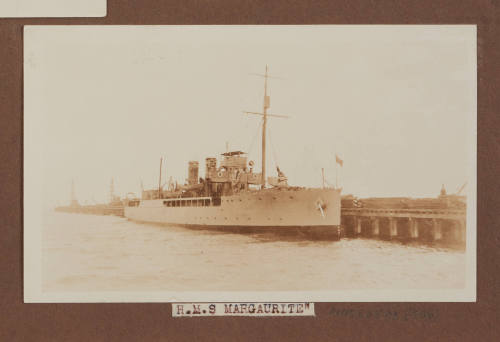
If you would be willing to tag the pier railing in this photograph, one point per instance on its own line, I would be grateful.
(447, 214)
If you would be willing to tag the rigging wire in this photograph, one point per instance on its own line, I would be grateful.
(274, 150)
(249, 150)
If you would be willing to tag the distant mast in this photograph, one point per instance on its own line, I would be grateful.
(159, 180)
(112, 191)
(73, 201)
(267, 101)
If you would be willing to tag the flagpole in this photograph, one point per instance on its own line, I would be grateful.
(341, 162)
(336, 174)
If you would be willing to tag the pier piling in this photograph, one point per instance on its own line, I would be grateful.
(459, 231)
(375, 227)
(393, 227)
(357, 226)
(413, 228)
(437, 229)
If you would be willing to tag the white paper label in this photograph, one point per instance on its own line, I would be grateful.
(242, 309)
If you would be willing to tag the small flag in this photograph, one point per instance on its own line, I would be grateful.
(339, 161)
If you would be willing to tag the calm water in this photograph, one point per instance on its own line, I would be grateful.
(99, 253)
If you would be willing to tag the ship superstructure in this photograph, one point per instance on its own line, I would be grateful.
(233, 196)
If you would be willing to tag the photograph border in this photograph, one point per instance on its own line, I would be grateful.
(343, 321)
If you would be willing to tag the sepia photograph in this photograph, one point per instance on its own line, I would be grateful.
(250, 163)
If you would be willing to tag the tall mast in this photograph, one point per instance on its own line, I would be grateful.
(264, 124)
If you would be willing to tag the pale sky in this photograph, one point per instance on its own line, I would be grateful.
(396, 103)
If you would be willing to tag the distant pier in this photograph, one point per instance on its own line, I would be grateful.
(93, 210)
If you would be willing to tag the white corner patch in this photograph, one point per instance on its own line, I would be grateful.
(52, 8)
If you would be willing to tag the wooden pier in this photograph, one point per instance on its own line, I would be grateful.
(425, 225)
(93, 210)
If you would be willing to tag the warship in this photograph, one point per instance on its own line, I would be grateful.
(232, 196)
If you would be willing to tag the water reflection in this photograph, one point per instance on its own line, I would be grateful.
(96, 253)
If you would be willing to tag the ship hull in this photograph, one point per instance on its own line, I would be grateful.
(314, 212)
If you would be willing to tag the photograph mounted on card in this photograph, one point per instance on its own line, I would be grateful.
(52, 8)
(249, 164)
